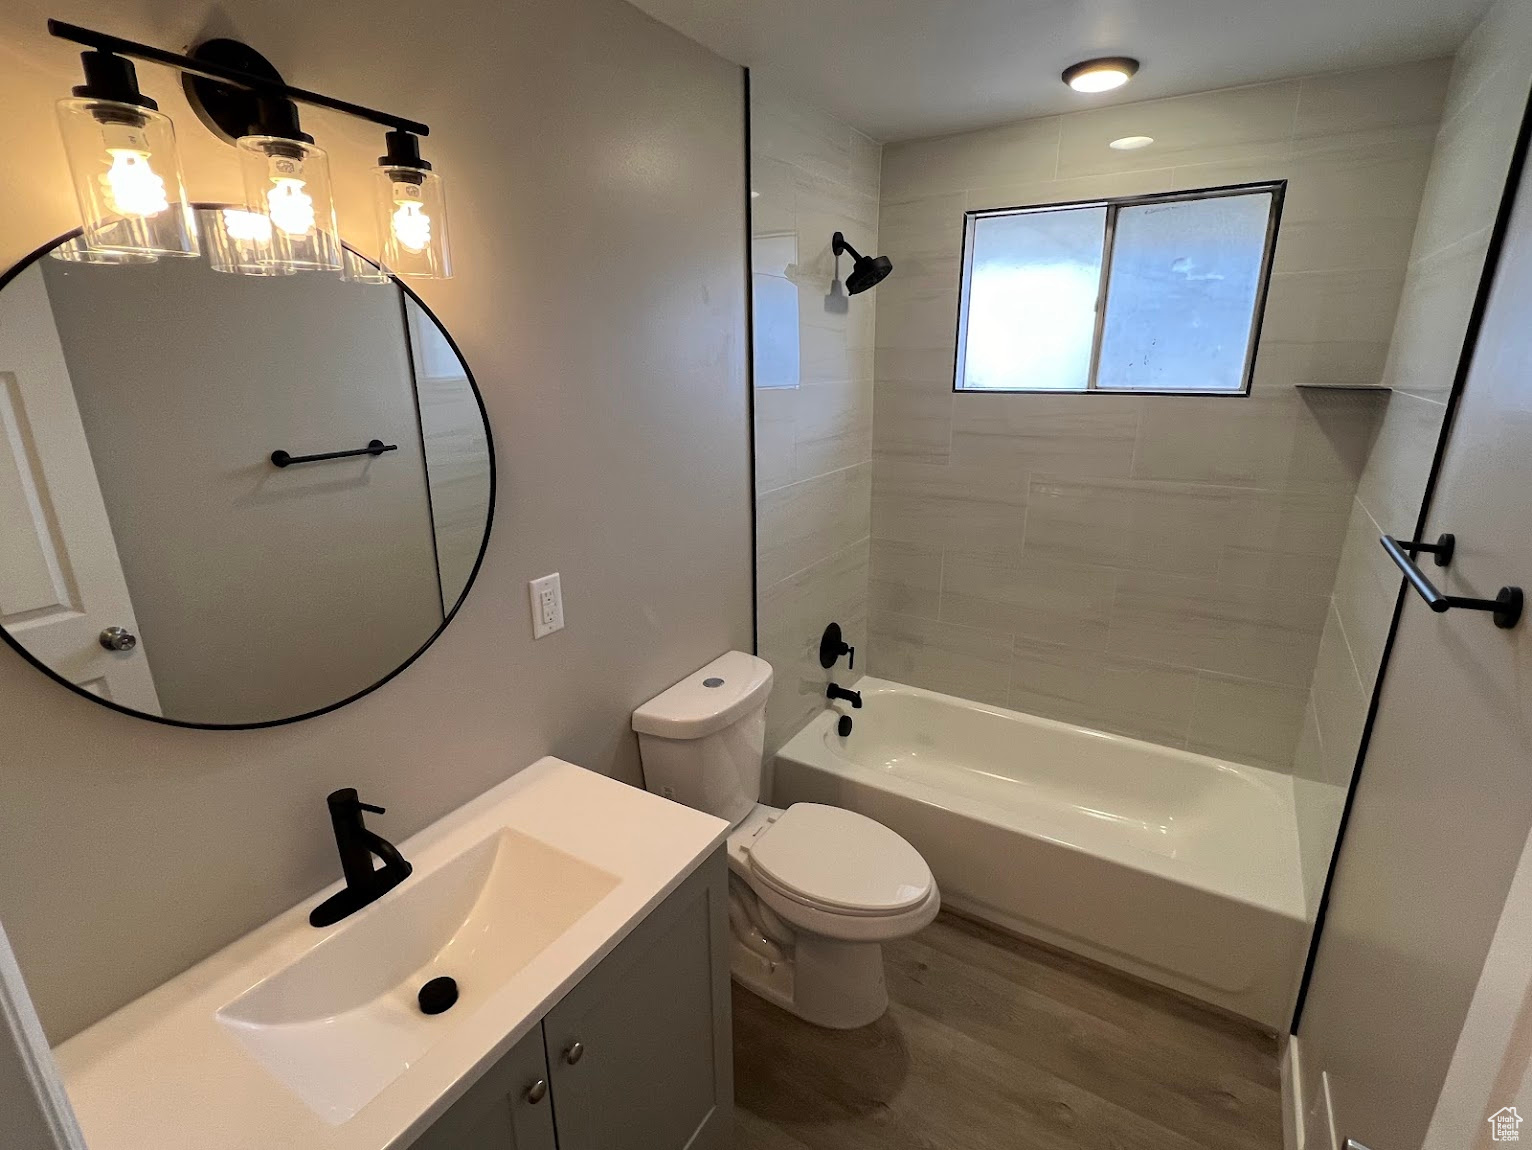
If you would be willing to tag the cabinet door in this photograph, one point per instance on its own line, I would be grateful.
(641, 1050)
(509, 1108)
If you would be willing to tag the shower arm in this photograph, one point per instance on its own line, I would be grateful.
(839, 244)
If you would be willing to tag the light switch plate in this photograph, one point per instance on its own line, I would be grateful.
(547, 605)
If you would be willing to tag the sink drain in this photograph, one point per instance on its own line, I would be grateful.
(438, 996)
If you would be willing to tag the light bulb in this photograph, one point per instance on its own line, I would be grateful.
(1100, 75)
(290, 207)
(132, 186)
(247, 227)
(287, 182)
(411, 225)
(127, 178)
(412, 214)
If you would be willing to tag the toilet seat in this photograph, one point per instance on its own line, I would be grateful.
(839, 862)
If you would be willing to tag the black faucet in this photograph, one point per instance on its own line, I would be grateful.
(364, 883)
(836, 691)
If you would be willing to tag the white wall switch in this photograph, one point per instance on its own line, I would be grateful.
(547, 605)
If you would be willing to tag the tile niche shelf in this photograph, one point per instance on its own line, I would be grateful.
(1343, 386)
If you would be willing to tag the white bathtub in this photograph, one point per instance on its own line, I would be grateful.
(1173, 866)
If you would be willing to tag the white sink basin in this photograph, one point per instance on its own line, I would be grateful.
(305, 1039)
(342, 1021)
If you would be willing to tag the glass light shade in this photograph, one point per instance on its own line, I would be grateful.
(239, 242)
(288, 182)
(361, 270)
(127, 178)
(77, 251)
(412, 221)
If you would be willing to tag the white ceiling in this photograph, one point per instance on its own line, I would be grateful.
(903, 69)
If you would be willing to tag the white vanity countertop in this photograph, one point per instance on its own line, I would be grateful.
(163, 1073)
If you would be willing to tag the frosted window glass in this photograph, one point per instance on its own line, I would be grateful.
(775, 300)
(1032, 299)
(1182, 295)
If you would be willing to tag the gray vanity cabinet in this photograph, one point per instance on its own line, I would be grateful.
(637, 1056)
(507, 1109)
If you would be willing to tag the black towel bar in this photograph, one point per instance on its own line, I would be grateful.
(1506, 606)
(375, 447)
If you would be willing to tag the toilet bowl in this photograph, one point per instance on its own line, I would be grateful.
(814, 890)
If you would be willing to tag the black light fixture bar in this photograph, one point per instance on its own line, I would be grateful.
(116, 45)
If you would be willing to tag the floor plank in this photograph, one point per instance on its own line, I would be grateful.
(995, 1043)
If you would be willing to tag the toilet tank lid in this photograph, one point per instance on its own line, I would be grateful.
(708, 700)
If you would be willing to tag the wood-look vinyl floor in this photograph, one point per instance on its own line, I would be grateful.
(995, 1043)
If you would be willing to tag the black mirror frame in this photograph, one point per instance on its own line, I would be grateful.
(489, 522)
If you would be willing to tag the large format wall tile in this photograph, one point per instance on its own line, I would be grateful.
(793, 614)
(948, 507)
(1029, 599)
(811, 176)
(1159, 565)
(1108, 692)
(962, 661)
(1246, 720)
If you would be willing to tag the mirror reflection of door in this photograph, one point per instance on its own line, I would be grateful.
(259, 593)
(456, 442)
(61, 581)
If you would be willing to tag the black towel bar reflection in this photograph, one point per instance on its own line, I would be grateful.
(375, 447)
(1505, 607)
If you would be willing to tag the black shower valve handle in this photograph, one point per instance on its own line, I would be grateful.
(850, 658)
(832, 645)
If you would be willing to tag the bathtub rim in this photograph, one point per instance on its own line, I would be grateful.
(810, 748)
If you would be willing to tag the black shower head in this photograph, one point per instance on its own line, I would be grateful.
(866, 271)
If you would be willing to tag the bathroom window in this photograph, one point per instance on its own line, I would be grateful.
(1143, 294)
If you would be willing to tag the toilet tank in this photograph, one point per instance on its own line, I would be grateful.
(702, 740)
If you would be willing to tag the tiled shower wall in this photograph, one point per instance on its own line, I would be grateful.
(1159, 566)
(1484, 105)
(811, 176)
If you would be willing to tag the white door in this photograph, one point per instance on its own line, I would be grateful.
(34, 1108)
(61, 583)
(1443, 804)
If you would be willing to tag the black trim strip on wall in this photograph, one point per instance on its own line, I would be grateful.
(755, 589)
(1485, 289)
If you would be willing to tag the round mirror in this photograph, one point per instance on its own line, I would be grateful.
(231, 500)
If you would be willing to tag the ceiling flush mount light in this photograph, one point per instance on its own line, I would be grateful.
(122, 158)
(1100, 75)
(128, 179)
(1131, 143)
(412, 211)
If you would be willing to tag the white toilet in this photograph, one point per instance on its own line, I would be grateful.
(814, 891)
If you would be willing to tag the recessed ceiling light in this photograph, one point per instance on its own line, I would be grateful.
(1100, 75)
(1131, 143)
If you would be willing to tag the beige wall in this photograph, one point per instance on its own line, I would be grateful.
(1158, 566)
(813, 443)
(1484, 104)
(598, 216)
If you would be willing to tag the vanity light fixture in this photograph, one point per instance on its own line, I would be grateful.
(360, 270)
(412, 211)
(287, 182)
(128, 179)
(77, 251)
(238, 241)
(1100, 75)
(122, 158)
